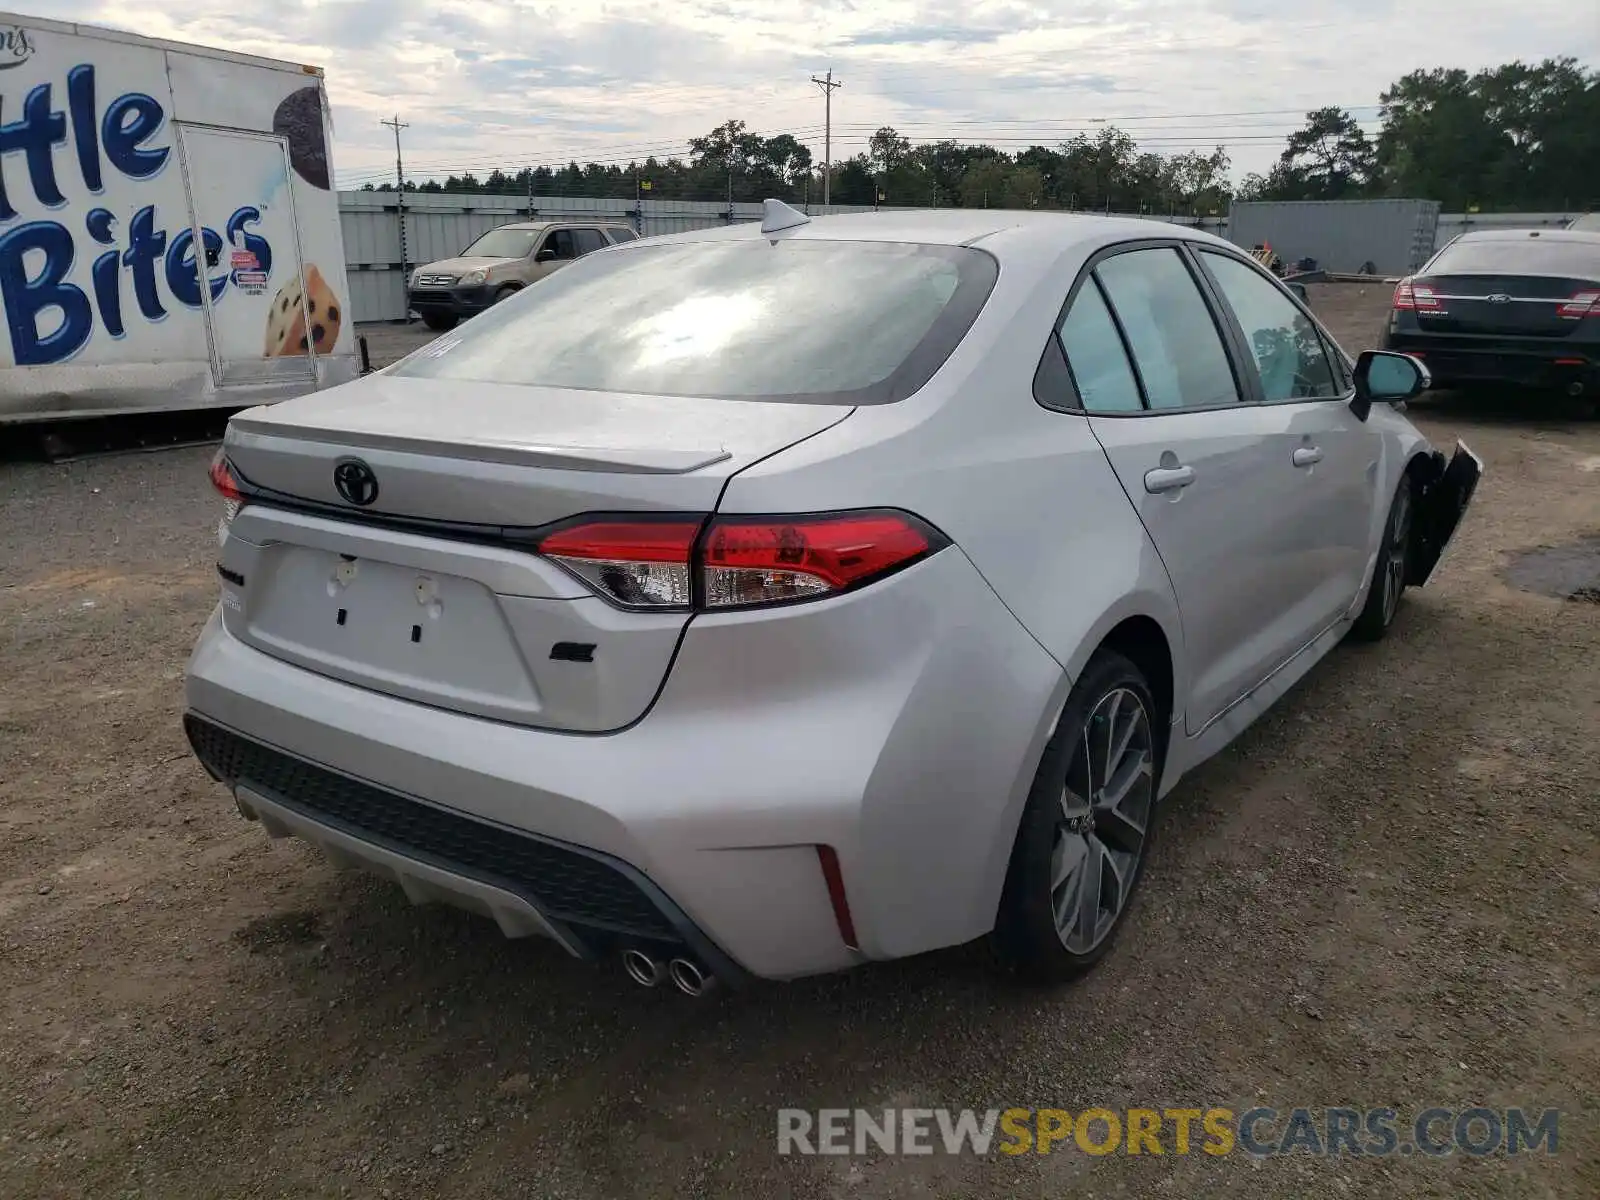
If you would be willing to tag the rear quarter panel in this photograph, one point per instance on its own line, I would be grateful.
(1026, 492)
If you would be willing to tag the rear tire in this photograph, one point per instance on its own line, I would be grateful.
(439, 322)
(1389, 573)
(1087, 827)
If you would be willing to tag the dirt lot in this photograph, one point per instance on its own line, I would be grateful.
(1387, 893)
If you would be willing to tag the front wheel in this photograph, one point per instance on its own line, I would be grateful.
(1087, 826)
(1389, 574)
(439, 322)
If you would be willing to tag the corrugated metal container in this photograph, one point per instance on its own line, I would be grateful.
(1453, 225)
(1394, 236)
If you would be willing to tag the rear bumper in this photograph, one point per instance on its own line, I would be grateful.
(529, 886)
(1510, 362)
(900, 725)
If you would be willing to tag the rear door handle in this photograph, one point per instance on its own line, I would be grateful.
(1167, 479)
(1307, 455)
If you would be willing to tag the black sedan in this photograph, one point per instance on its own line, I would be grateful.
(1512, 307)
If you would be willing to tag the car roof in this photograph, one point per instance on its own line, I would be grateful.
(1580, 236)
(599, 221)
(1014, 232)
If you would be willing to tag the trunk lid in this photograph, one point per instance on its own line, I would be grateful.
(425, 591)
(1502, 305)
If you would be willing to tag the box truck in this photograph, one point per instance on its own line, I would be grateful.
(169, 236)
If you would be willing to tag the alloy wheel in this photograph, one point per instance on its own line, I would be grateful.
(1105, 811)
(1394, 566)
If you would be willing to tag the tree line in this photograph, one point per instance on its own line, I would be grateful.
(1515, 137)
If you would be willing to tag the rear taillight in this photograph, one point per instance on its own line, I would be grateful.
(737, 562)
(1408, 296)
(227, 485)
(223, 479)
(637, 564)
(760, 560)
(1581, 304)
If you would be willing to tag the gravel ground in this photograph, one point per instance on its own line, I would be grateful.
(1386, 893)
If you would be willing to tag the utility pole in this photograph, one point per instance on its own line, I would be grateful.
(827, 85)
(400, 213)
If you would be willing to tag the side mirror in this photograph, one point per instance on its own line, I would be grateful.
(1299, 289)
(1383, 376)
(546, 254)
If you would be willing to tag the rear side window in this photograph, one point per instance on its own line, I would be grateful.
(1174, 340)
(1519, 256)
(589, 240)
(620, 233)
(1100, 369)
(1285, 345)
(798, 320)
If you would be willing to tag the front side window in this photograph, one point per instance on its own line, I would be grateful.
(799, 320)
(559, 246)
(1175, 342)
(1285, 345)
(1099, 365)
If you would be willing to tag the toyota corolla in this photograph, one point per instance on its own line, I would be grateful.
(758, 602)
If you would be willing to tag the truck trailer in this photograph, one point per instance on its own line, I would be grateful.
(169, 233)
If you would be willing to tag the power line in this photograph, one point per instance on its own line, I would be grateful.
(1045, 128)
(976, 131)
(827, 85)
(561, 156)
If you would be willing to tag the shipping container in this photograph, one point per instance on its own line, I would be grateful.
(1387, 237)
(169, 236)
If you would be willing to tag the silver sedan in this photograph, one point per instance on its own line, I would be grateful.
(762, 601)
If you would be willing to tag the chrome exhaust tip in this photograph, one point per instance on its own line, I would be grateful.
(1574, 389)
(690, 978)
(641, 968)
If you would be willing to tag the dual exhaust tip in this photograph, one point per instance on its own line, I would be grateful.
(688, 976)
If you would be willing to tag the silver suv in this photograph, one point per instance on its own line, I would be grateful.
(502, 261)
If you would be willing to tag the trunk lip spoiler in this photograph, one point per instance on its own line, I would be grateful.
(516, 537)
(641, 460)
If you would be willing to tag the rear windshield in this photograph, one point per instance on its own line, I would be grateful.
(503, 243)
(1522, 256)
(793, 320)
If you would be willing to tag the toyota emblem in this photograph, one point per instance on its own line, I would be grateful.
(355, 481)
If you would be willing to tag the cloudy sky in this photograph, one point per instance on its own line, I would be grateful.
(508, 83)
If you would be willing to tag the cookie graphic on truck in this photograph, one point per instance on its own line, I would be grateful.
(294, 327)
(299, 121)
